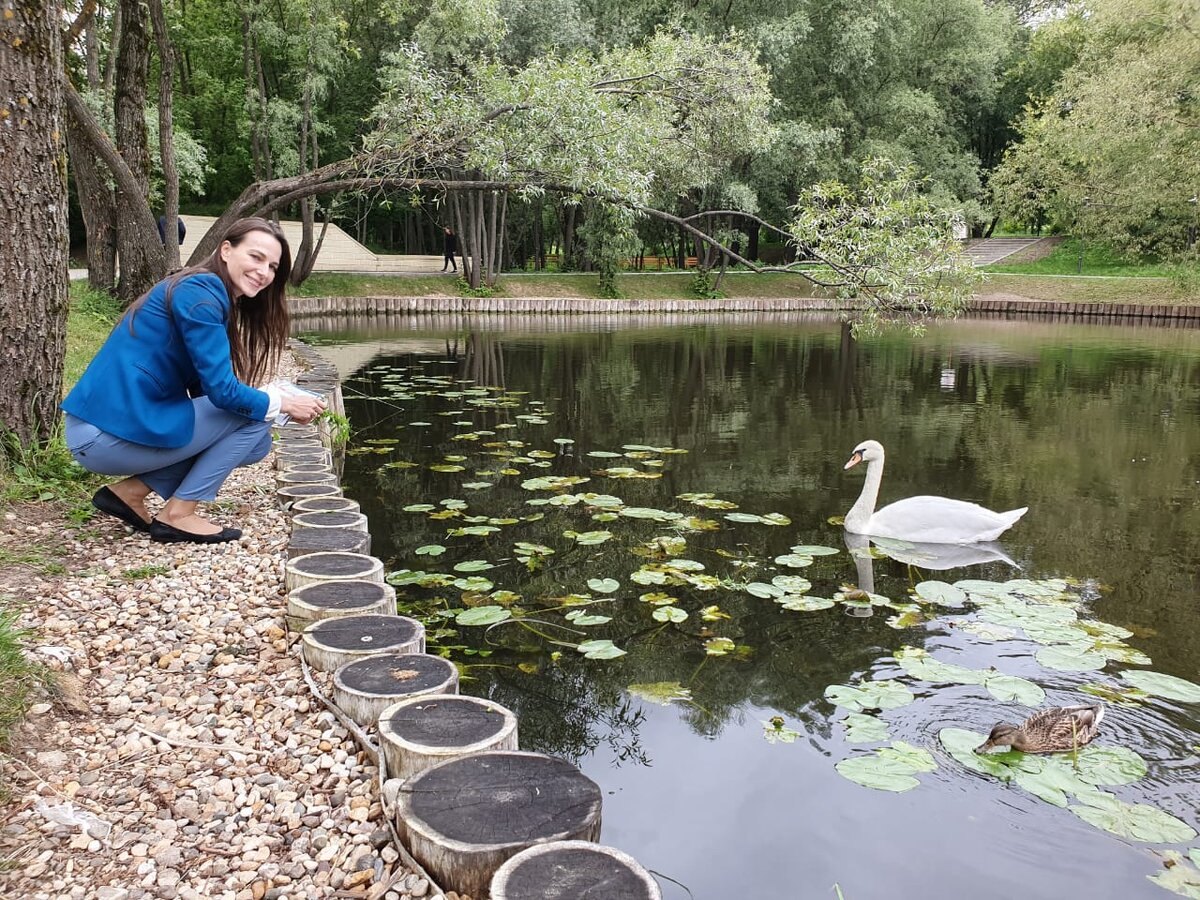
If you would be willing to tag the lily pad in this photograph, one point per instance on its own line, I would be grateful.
(591, 538)
(1010, 688)
(420, 507)
(803, 602)
(1136, 821)
(661, 692)
(473, 565)
(720, 646)
(794, 560)
(1161, 685)
(916, 758)
(600, 650)
(864, 729)
(889, 768)
(583, 619)
(1069, 659)
(603, 585)
(1123, 696)
(670, 614)
(430, 550)
(483, 615)
(815, 550)
(919, 664)
(1109, 765)
(474, 583)
(1178, 876)
(883, 694)
(941, 593)
(765, 591)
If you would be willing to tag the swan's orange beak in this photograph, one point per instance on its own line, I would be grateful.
(855, 459)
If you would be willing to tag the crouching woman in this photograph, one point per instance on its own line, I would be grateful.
(169, 399)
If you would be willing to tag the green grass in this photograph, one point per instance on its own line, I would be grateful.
(21, 679)
(92, 316)
(1065, 259)
(632, 285)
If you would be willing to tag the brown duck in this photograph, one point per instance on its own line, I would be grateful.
(1056, 730)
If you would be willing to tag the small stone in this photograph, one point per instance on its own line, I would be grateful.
(353, 880)
(420, 889)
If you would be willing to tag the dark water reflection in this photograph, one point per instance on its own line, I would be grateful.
(1096, 429)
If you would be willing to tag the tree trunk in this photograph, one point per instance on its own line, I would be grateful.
(752, 243)
(33, 221)
(140, 254)
(166, 136)
(98, 207)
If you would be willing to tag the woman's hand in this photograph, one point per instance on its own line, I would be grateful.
(303, 408)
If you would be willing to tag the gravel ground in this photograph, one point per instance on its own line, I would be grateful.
(187, 734)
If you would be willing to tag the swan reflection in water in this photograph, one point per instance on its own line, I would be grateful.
(934, 557)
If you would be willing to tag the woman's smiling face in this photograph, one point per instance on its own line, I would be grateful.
(252, 262)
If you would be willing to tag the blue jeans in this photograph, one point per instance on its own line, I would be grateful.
(222, 441)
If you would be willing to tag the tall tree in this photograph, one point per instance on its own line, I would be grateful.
(33, 220)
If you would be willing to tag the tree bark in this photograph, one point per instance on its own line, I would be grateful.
(140, 254)
(166, 135)
(98, 207)
(33, 221)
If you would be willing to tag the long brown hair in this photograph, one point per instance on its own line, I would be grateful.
(258, 325)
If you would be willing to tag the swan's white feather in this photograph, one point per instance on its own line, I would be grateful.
(941, 520)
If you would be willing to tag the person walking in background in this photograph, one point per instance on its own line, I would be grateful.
(180, 228)
(449, 248)
(169, 399)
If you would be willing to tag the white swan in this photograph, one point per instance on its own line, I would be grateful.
(930, 520)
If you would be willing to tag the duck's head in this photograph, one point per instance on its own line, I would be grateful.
(867, 450)
(1003, 735)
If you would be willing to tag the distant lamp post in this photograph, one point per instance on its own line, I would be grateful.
(1195, 201)
(1087, 201)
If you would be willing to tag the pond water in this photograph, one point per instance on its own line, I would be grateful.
(718, 765)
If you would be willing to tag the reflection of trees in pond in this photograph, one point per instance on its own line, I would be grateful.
(1100, 441)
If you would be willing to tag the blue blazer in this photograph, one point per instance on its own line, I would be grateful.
(136, 387)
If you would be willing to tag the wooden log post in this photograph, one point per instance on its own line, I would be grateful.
(315, 567)
(328, 540)
(366, 687)
(333, 599)
(288, 459)
(325, 504)
(573, 870)
(420, 732)
(331, 643)
(283, 479)
(462, 819)
(347, 521)
(289, 494)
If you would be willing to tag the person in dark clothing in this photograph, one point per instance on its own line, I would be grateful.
(449, 247)
(162, 229)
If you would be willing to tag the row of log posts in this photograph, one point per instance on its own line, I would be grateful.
(465, 802)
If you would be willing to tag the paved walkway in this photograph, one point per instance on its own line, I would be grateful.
(986, 251)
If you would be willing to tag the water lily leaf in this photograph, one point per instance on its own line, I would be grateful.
(603, 585)
(694, 523)
(474, 583)
(473, 565)
(648, 576)
(775, 519)
(604, 501)
(814, 550)
(563, 441)
(591, 538)
(713, 614)
(1194, 855)
(482, 615)
(712, 503)
(604, 454)
(504, 598)
(657, 598)
(670, 614)
(1051, 780)
(1161, 685)
(803, 602)
(1070, 659)
(765, 591)
(1010, 688)
(1122, 653)
(793, 584)
(420, 507)
(661, 692)
(477, 485)
(960, 743)
(446, 468)
(605, 517)
(600, 650)
(1123, 696)
(1136, 821)
(405, 576)
(864, 729)
(719, 646)
(775, 732)
(941, 593)
(430, 550)
(581, 618)
(916, 758)
(1178, 876)
(878, 772)
(906, 619)
(919, 664)
(1108, 765)
(743, 517)
(884, 694)
(472, 530)
(658, 515)
(794, 560)
(684, 565)
(986, 630)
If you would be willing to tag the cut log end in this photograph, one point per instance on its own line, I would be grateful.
(421, 732)
(332, 566)
(573, 870)
(462, 819)
(366, 688)
(316, 540)
(331, 643)
(333, 599)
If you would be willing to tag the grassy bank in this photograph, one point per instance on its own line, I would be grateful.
(49, 475)
(673, 286)
(1076, 257)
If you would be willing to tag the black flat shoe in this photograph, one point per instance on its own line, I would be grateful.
(163, 533)
(110, 504)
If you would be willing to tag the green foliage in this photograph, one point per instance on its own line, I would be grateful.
(339, 427)
(891, 245)
(21, 679)
(702, 285)
(1113, 151)
(465, 290)
(608, 236)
